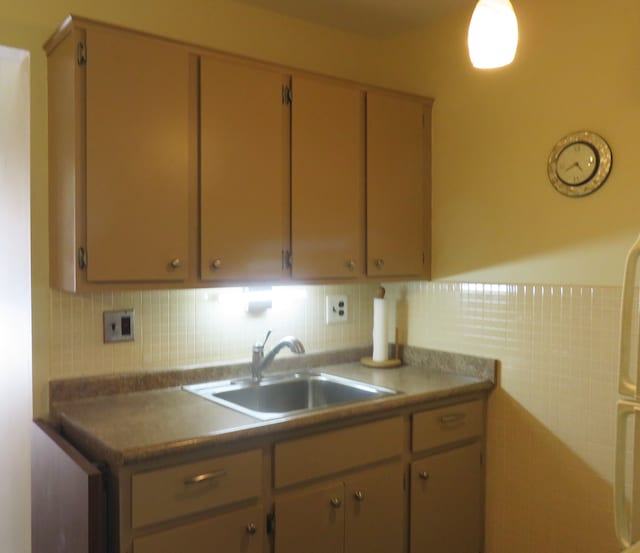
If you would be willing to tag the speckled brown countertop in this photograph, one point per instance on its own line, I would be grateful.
(125, 428)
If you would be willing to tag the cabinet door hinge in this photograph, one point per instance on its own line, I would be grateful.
(82, 259)
(82, 53)
(287, 95)
(271, 523)
(287, 259)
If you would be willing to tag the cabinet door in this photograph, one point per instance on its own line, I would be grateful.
(374, 502)
(244, 190)
(327, 190)
(240, 531)
(396, 157)
(311, 521)
(446, 502)
(137, 103)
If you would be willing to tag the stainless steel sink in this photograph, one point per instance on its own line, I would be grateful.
(280, 396)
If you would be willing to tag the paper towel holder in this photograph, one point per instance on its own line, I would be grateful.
(388, 363)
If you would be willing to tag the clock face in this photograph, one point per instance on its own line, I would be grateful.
(579, 164)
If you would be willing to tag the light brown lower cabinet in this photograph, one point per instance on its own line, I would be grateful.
(363, 512)
(339, 490)
(240, 531)
(446, 502)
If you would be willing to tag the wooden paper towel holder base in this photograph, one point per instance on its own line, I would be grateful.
(388, 364)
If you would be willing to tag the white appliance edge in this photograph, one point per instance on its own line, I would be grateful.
(627, 520)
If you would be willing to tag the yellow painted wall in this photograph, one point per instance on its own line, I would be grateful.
(496, 218)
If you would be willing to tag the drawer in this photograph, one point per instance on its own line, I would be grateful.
(185, 489)
(453, 423)
(330, 452)
(241, 530)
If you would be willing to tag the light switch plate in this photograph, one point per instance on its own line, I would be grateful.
(119, 326)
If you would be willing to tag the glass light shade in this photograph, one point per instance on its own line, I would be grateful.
(493, 34)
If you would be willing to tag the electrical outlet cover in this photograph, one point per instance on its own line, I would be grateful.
(337, 309)
(119, 326)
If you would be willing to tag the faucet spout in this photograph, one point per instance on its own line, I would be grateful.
(261, 363)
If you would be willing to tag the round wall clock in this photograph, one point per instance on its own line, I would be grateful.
(579, 163)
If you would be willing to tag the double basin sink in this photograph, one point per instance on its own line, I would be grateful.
(280, 396)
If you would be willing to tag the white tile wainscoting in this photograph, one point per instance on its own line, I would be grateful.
(551, 418)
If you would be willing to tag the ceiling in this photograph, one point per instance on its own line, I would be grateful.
(375, 18)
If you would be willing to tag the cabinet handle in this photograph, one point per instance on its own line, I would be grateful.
(175, 263)
(205, 477)
(251, 528)
(359, 495)
(379, 263)
(216, 263)
(453, 417)
(351, 264)
(335, 502)
(424, 475)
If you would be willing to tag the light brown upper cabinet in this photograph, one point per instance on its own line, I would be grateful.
(398, 195)
(327, 181)
(175, 166)
(244, 188)
(119, 158)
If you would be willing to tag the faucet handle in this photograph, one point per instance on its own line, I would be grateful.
(261, 346)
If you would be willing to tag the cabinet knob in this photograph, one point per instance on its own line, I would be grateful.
(336, 502)
(379, 263)
(359, 495)
(251, 528)
(424, 475)
(216, 263)
(175, 263)
(351, 264)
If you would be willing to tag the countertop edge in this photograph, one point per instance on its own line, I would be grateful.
(98, 451)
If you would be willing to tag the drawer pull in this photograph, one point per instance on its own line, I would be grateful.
(251, 528)
(453, 417)
(205, 477)
(359, 495)
(335, 502)
(424, 475)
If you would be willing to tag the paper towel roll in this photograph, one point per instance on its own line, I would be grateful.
(380, 347)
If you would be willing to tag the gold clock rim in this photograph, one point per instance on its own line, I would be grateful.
(599, 176)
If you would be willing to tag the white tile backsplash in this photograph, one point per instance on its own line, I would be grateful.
(550, 428)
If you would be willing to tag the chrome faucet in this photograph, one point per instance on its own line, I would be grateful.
(260, 363)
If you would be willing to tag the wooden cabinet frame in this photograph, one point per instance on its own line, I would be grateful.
(70, 228)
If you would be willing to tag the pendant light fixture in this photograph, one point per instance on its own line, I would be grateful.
(493, 34)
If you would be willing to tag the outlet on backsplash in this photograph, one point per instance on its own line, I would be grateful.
(337, 309)
(119, 326)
